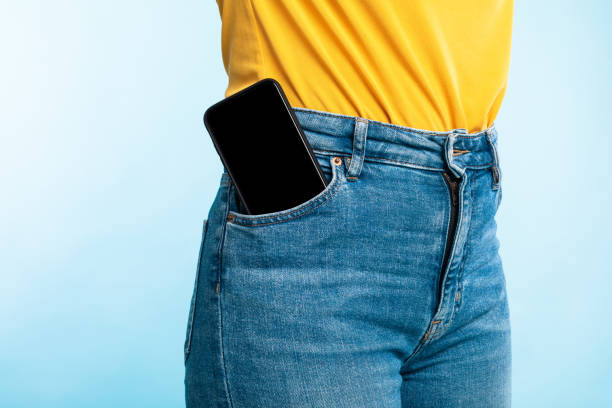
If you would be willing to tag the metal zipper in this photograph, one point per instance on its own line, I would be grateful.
(453, 185)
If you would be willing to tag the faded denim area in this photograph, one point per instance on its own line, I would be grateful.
(384, 290)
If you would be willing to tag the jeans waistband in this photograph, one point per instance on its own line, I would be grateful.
(366, 139)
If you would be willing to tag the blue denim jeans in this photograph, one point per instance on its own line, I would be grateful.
(384, 290)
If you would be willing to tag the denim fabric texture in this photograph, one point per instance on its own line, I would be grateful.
(384, 290)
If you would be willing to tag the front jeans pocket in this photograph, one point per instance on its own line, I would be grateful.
(192, 307)
(338, 177)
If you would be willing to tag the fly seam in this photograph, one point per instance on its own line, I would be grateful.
(458, 226)
(467, 240)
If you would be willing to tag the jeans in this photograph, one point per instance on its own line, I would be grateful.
(384, 290)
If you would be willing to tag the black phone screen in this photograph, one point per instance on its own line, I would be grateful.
(263, 148)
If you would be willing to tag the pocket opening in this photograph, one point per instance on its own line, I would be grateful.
(337, 179)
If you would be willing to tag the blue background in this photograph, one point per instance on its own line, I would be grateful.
(106, 174)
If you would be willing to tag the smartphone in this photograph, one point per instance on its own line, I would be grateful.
(263, 148)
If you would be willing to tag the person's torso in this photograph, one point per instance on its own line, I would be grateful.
(429, 64)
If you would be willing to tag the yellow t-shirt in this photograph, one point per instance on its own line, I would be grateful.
(428, 64)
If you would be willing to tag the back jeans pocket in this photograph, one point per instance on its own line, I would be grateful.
(192, 307)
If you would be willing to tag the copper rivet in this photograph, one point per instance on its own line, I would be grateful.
(230, 217)
(337, 161)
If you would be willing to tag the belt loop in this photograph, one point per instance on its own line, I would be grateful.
(495, 170)
(448, 156)
(359, 147)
